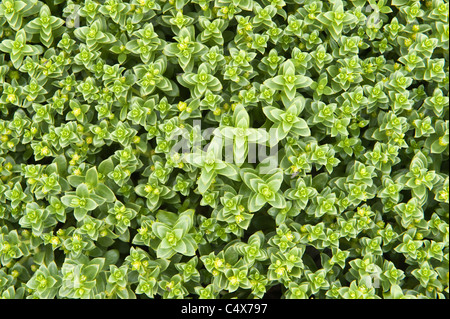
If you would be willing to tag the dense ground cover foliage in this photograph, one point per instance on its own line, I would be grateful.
(224, 148)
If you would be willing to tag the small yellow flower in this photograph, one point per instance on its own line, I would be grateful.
(55, 241)
(11, 98)
(239, 218)
(45, 151)
(233, 280)
(76, 111)
(280, 271)
(182, 106)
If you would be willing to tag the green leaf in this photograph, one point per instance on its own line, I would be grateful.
(251, 179)
(190, 246)
(399, 2)
(256, 202)
(185, 221)
(90, 204)
(105, 192)
(6, 45)
(230, 171)
(82, 191)
(301, 128)
(160, 229)
(80, 213)
(205, 180)
(437, 147)
(273, 113)
(279, 201)
(166, 217)
(290, 93)
(275, 180)
(240, 117)
(92, 177)
(180, 247)
(91, 271)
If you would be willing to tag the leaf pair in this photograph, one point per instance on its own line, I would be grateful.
(18, 49)
(288, 121)
(211, 165)
(265, 188)
(45, 25)
(173, 231)
(288, 81)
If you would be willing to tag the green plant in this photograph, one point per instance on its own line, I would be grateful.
(224, 149)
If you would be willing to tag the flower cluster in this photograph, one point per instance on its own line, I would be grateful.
(224, 149)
